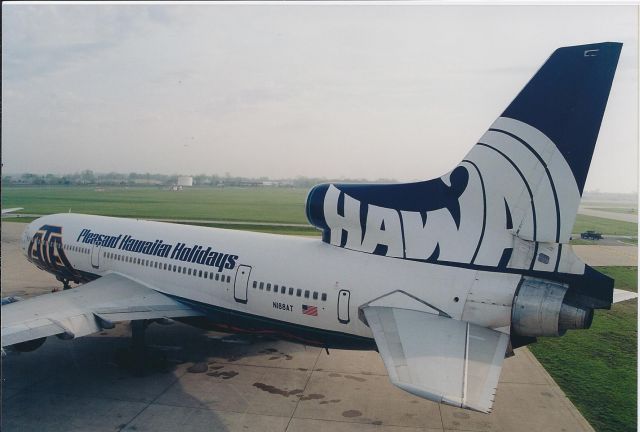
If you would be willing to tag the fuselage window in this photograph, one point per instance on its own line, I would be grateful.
(189, 272)
(261, 285)
(315, 295)
(255, 284)
(275, 288)
(324, 296)
(228, 279)
(217, 276)
(269, 287)
(306, 294)
(290, 291)
(200, 273)
(174, 268)
(165, 266)
(283, 289)
(211, 275)
(298, 292)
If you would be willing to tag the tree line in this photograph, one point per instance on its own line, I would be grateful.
(90, 178)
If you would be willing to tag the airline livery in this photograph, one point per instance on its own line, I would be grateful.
(442, 277)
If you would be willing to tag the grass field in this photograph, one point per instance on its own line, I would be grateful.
(597, 368)
(252, 204)
(284, 205)
(604, 226)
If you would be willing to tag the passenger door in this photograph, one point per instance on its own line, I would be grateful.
(241, 284)
(343, 306)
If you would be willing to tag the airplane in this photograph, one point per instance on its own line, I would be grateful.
(444, 278)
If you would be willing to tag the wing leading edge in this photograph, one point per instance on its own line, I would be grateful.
(439, 358)
(87, 309)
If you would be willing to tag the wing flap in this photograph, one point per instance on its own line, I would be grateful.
(439, 358)
(87, 309)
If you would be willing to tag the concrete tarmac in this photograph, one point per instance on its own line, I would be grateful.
(263, 385)
(596, 255)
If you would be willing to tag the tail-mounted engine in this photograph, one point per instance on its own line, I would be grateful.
(544, 308)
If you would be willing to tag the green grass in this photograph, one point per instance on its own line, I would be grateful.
(253, 204)
(597, 368)
(287, 230)
(604, 226)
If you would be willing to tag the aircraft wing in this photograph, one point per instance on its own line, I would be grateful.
(439, 358)
(622, 295)
(86, 309)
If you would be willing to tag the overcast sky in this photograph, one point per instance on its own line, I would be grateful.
(285, 90)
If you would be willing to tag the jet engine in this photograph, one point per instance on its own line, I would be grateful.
(545, 308)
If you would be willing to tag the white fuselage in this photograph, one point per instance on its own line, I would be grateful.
(334, 280)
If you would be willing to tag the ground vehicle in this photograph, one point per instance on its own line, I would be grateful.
(591, 235)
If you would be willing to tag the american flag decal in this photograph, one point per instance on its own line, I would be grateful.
(309, 310)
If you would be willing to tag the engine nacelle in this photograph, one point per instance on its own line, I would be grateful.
(543, 308)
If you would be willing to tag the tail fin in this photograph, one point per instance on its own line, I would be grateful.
(548, 134)
(566, 100)
(522, 181)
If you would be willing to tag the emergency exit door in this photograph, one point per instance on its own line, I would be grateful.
(241, 285)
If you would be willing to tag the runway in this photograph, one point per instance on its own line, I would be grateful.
(259, 385)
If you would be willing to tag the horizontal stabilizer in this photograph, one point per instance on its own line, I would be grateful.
(439, 358)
